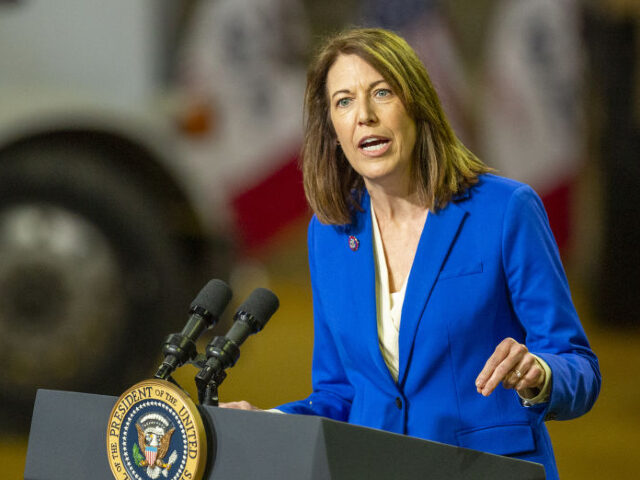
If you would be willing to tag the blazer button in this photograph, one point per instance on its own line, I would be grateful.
(398, 403)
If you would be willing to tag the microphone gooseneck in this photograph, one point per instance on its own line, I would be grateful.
(205, 311)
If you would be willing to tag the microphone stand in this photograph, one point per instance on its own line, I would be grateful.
(180, 347)
(208, 391)
(221, 353)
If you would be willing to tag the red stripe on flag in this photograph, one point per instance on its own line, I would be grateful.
(265, 208)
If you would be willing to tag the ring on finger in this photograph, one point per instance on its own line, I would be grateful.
(517, 373)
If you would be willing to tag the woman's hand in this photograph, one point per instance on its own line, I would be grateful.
(513, 365)
(242, 405)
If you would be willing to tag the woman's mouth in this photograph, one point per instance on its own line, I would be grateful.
(374, 145)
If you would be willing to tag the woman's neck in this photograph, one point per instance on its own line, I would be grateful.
(396, 206)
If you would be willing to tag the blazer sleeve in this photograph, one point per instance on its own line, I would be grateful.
(541, 299)
(332, 391)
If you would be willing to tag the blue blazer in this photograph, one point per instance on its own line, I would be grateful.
(486, 268)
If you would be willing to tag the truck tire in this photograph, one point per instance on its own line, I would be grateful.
(91, 276)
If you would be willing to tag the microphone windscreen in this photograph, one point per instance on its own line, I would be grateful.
(262, 304)
(214, 297)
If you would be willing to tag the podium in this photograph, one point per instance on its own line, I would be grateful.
(68, 441)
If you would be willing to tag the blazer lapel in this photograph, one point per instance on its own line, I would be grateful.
(438, 236)
(363, 288)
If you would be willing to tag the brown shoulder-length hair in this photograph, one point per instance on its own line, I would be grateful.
(442, 166)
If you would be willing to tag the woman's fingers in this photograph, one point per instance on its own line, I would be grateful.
(501, 367)
(519, 372)
(242, 405)
(532, 381)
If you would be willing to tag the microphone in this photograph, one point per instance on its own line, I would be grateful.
(251, 317)
(204, 312)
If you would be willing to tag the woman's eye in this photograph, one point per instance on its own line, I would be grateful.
(382, 92)
(343, 102)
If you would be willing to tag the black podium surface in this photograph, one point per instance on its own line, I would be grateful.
(68, 431)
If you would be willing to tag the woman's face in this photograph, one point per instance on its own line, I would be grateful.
(374, 130)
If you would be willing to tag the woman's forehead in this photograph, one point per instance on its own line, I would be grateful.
(350, 69)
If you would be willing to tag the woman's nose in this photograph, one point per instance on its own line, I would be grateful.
(366, 113)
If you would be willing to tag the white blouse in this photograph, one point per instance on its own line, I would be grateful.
(388, 305)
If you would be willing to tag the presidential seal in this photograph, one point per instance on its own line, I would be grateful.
(155, 432)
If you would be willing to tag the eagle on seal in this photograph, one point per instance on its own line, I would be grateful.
(154, 447)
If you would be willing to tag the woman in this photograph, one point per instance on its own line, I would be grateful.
(433, 280)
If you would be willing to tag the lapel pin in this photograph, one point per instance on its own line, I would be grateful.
(354, 243)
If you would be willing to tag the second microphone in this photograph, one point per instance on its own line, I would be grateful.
(251, 317)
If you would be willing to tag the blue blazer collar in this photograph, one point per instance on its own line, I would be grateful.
(438, 235)
(363, 286)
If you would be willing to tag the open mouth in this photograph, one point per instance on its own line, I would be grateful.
(373, 144)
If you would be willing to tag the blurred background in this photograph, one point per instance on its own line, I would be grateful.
(149, 145)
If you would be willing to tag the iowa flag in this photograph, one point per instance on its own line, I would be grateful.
(245, 59)
(530, 124)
